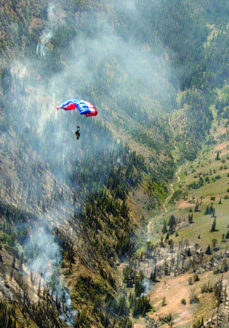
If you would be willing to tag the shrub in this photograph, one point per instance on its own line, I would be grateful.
(164, 302)
(198, 323)
(196, 278)
(194, 300)
(183, 301)
(190, 282)
(166, 319)
(207, 288)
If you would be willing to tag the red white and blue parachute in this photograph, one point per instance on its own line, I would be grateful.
(84, 107)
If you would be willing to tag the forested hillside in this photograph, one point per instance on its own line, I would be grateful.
(75, 214)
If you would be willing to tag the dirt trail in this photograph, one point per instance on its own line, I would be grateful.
(177, 178)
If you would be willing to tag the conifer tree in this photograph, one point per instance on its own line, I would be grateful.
(190, 218)
(172, 224)
(164, 229)
(153, 275)
(208, 250)
(207, 210)
(213, 228)
(196, 207)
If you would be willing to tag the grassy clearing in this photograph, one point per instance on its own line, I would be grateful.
(199, 231)
(213, 190)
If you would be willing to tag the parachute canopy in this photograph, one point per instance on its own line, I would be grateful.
(84, 107)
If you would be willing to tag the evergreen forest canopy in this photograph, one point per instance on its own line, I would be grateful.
(158, 74)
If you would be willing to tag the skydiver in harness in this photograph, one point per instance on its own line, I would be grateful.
(77, 133)
(84, 107)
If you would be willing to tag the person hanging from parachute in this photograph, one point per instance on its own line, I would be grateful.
(77, 133)
(84, 108)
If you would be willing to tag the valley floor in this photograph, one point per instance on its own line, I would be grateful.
(191, 255)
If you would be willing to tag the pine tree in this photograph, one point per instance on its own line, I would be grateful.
(208, 250)
(196, 207)
(213, 228)
(164, 229)
(122, 308)
(190, 218)
(153, 275)
(214, 243)
(172, 224)
(188, 252)
(207, 210)
(213, 213)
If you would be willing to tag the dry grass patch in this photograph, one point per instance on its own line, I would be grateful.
(177, 288)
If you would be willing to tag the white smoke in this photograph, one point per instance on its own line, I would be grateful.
(49, 30)
(148, 286)
(44, 259)
(47, 255)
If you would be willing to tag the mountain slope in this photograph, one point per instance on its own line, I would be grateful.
(72, 211)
